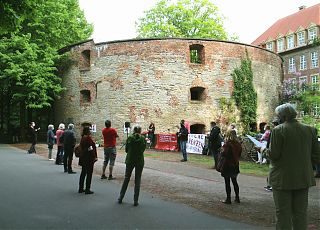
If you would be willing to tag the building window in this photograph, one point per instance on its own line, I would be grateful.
(290, 42)
(292, 65)
(85, 96)
(197, 93)
(315, 109)
(196, 54)
(312, 33)
(303, 62)
(280, 45)
(314, 59)
(85, 59)
(301, 38)
(269, 46)
(303, 83)
(315, 82)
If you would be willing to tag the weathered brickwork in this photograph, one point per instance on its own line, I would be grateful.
(145, 81)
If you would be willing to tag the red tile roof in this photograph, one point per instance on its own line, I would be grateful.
(291, 23)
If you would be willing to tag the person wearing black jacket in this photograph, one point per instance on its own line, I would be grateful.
(214, 142)
(69, 141)
(183, 136)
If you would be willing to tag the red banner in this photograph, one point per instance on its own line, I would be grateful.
(166, 142)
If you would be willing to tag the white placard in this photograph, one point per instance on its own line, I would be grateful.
(257, 143)
(195, 143)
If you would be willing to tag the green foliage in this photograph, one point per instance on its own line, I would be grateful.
(244, 94)
(185, 19)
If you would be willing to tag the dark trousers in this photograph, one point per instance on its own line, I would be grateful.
(67, 160)
(32, 148)
(214, 153)
(59, 157)
(137, 181)
(228, 187)
(86, 173)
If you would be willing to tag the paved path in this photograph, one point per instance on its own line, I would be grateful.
(36, 194)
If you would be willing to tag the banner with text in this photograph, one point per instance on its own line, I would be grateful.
(166, 142)
(195, 143)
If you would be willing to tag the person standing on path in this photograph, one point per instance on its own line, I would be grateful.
(293, 149)
(110, 152)
(60, 131)
(135, 147)
(87, 160)
(50, 141)
(231, 150)
(69, 141)
(151, 135)
(32, 131)
(183, 137)
(214, 142)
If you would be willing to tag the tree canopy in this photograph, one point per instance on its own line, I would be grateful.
(185, 19)
(29, 50)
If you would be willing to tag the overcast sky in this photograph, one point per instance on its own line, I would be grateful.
(115, 19)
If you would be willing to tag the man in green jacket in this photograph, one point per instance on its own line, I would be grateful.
(135, 147)
(293, 150)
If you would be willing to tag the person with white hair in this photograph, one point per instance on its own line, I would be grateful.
(50, 141)
(60, 131)
(293, 150)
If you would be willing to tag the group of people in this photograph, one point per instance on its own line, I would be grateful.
(292, 149)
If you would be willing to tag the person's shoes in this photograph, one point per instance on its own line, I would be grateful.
(226, 201)
(51, 159)
(104, 177)
(317, 175)
(269, 189)
(119, 200)
(135, 203)
(80, 190)
(183, 160)
(237, 200)
(111, 177)
(88, 192)
(72, 172)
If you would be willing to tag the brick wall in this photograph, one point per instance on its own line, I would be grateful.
(145, 81)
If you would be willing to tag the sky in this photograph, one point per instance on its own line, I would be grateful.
(248, 19)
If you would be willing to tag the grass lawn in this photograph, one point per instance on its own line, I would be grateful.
(246, 167)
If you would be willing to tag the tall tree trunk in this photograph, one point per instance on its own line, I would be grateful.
(23, 123)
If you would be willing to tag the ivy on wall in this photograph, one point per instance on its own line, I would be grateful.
(244, 94)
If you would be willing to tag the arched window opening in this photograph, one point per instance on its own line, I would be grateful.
(197, 129)
(85, 58)
(196, 54)
(197, 93)
(85, 96)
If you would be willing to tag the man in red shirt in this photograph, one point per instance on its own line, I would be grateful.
(110, 152)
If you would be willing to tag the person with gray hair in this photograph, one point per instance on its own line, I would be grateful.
(69, 141)
(50, 141)
(135, 147)
(293, 150)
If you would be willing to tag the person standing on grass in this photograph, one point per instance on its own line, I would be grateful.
(214, 142)
(135, 147)
(110, 152)
(293, 149)
(50, 141)
(183, 137)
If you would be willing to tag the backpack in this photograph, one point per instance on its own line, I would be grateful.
(78, 151)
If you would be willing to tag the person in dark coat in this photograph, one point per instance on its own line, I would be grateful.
(50, 141)
(231, 150)
(87, 160)
(135, 147)
(32, 132)
(183, 137)
(214, 144)
(69, 141)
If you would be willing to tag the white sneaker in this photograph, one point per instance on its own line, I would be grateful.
(51, 159)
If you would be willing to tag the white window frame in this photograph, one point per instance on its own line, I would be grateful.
(303, 62)
(290, 41)
(301, 38)
(315, 109)
(291, 65)
(315, 81)
(312, 33)
(314, 59)
(269, 46)
(280, 44)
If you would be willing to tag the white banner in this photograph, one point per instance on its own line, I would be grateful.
(195, 143)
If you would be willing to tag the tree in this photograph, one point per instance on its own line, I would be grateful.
(186, 19)
(244, 94)
(28, 53)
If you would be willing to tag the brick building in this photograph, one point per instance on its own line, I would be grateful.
(161, 81)
(296, 39)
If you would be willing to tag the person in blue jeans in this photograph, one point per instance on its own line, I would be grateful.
(183, 136)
